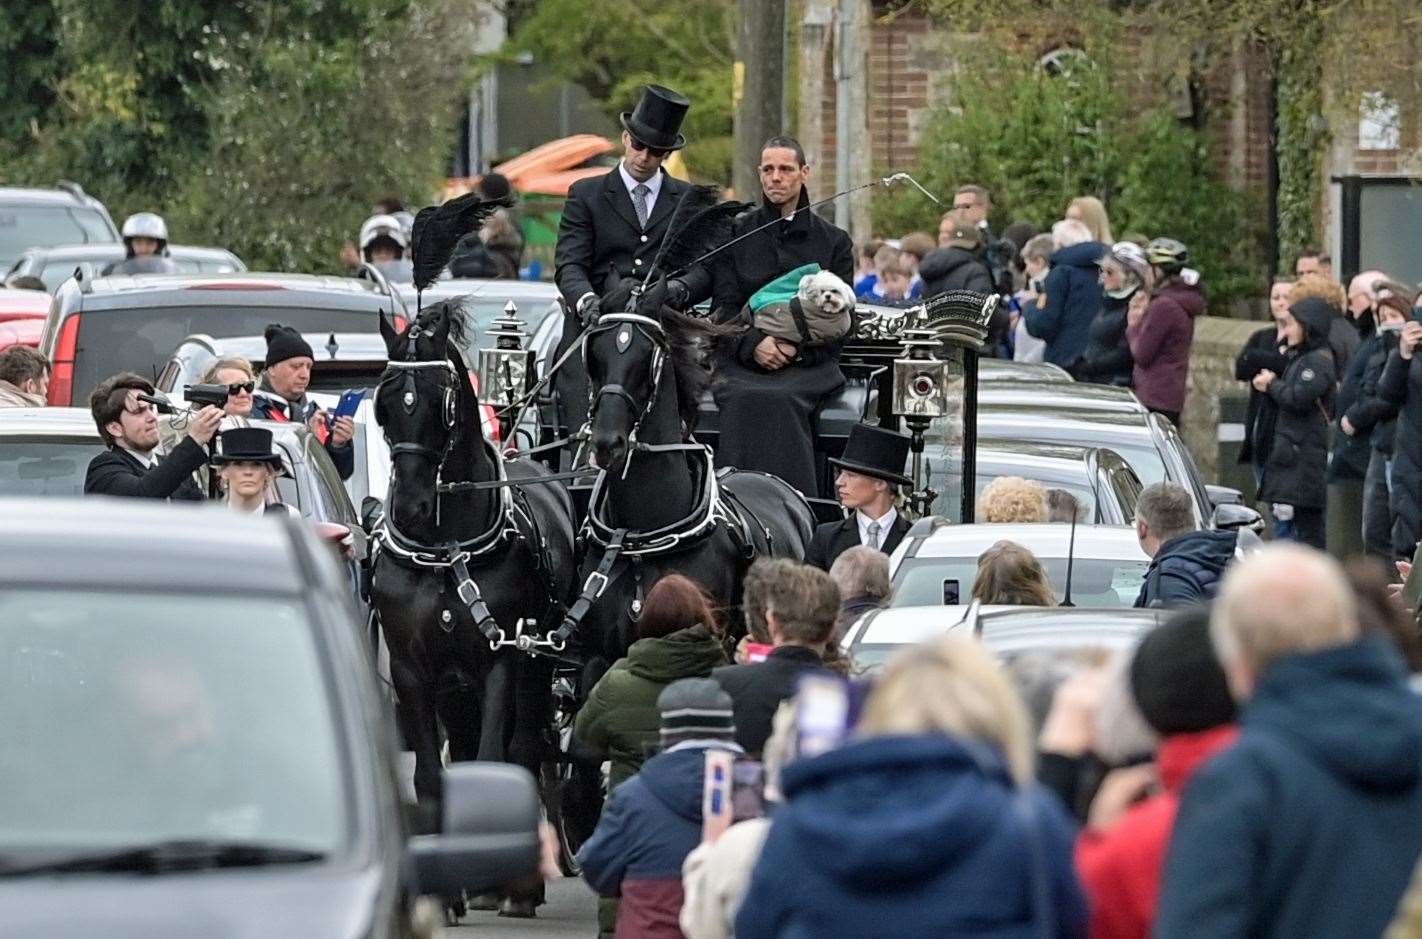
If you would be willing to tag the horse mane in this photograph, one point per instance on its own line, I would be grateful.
(692, 341)
(451, 311)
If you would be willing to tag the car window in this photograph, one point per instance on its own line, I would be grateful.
(45, 465)
(141, 339)
(129, 720)
(1095, 582)
(950, 490)
(39, 226)
(1127, 488)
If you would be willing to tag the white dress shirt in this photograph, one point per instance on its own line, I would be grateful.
(886, 521)
(147, 459)
(654, 186)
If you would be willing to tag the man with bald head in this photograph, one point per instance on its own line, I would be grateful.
(1311, 824)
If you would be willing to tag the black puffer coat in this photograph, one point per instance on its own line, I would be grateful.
(1259, 353)
(1350, 454)
(1401, 385)
(1107, 359)
(1371, 415)
(1298, 455)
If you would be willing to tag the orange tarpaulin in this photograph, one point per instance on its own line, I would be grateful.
(553, 157)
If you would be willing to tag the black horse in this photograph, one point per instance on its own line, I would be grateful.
(659, 506)
(461, 567)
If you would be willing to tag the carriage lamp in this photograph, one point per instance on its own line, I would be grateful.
(506, 367)
(921, 394)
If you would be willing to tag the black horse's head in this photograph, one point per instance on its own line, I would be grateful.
(422, 403)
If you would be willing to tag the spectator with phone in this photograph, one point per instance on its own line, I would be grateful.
(654, 819)
(1401, 385)
(281, 396)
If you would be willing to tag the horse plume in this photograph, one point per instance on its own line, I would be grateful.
(698, 225)
(438, 229)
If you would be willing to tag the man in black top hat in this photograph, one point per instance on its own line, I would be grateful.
(613, 225)
(870, 473)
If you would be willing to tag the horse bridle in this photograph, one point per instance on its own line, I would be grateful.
(406, 372)
(654, 332)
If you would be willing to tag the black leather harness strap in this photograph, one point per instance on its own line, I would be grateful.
(470, 596)
(592, 587)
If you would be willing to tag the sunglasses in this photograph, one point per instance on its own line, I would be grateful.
(636, 144)
(959, 206)
(241, 387)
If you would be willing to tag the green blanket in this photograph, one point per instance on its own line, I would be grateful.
(782, 289)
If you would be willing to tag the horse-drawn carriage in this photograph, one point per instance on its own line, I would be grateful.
(500, 603)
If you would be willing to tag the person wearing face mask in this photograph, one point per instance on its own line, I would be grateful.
(129, 428)
(247, 467)
(1293, 482)
(1107, 359)
(1263, 350)
(1373, 419)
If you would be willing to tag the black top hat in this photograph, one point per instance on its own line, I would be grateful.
(874, 451)
(656, 121)
(247, 445)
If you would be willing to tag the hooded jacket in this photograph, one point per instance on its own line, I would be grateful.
(1160, 344)
(267, 405)
(1311, 824)
(1298, 455)
(1187, 569)
(620, 721)
(648, 827)
(1120, 868)
(1107, 360)
(1070, 300)
(945, 269)
(913, 836)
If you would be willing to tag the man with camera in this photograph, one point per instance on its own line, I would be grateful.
(129, 426)
(281, 396)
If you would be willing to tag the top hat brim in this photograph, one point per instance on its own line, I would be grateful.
(649, 137)
(874, 471)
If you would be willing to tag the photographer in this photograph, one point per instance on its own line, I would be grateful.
(129, 428)
(227, 384)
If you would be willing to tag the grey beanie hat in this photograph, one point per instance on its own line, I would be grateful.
(695, 709)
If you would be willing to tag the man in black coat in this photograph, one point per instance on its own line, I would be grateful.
(870, 472)
(129, 428)
(612, 226)
(801, 604)
(1372, 419)
(769, 389)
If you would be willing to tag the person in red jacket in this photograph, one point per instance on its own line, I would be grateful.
(1181, 691)
(1160, 331)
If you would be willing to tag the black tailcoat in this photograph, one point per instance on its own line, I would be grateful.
(115, 472)
(834, 538)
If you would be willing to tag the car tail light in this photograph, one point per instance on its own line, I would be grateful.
(61, 379)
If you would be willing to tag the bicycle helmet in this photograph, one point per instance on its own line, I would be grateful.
(1167, 254)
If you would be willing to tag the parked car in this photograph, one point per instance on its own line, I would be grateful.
(23, 305)
(45, 452)
(1000, 391)
(97, 328)
(20, 332)
(1009, 631)
(56, 264)
(193, 735)
(343, 360)
(936, 563)
(1105, 486)
(63, 215)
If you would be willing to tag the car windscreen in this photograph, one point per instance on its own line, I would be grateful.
(39, 226)
(45, 465)
(1095, 582)
(134, 718)
(141, 339)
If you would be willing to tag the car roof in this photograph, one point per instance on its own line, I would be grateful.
(57, 422)
(248, 288)
(996, 370)
(1008, 629)
(102, 251)
(1054, 423)
(24, 195)
(1044, 462)
(350, 347)
(1073, 395)
(484, 288)
(1044, 539)
(147, 544)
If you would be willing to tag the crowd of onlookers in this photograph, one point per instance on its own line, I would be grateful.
(1250, 767)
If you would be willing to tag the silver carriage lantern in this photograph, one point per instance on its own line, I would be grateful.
(936, 387)
(506, 368)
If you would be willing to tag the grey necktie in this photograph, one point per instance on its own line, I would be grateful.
(639, 202)
(874, 530)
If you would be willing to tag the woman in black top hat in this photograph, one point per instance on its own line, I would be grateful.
(247, 466)
(870, 474)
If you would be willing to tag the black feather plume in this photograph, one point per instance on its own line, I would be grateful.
(438, 229)
(709, 228)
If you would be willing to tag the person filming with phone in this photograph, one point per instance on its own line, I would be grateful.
(1401, 385)
(281, 396)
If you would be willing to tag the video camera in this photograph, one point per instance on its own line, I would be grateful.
(201, 395)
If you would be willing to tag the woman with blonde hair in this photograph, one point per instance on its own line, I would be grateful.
(1013, 499)
(1010, 575)
(928, 819)
(1090, 212)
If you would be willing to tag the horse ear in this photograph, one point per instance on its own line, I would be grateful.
(388, 333)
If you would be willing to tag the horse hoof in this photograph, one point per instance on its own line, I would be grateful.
(484, 902)
(517, 909)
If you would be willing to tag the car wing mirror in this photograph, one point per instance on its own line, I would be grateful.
(488, 831)
(1223, 495)
(1234, 516)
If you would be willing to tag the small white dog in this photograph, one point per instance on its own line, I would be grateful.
(826, 293)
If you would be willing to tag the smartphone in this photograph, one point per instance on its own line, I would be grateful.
(951, 593)
(821, 714)
(350, 401)
(716, 808)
